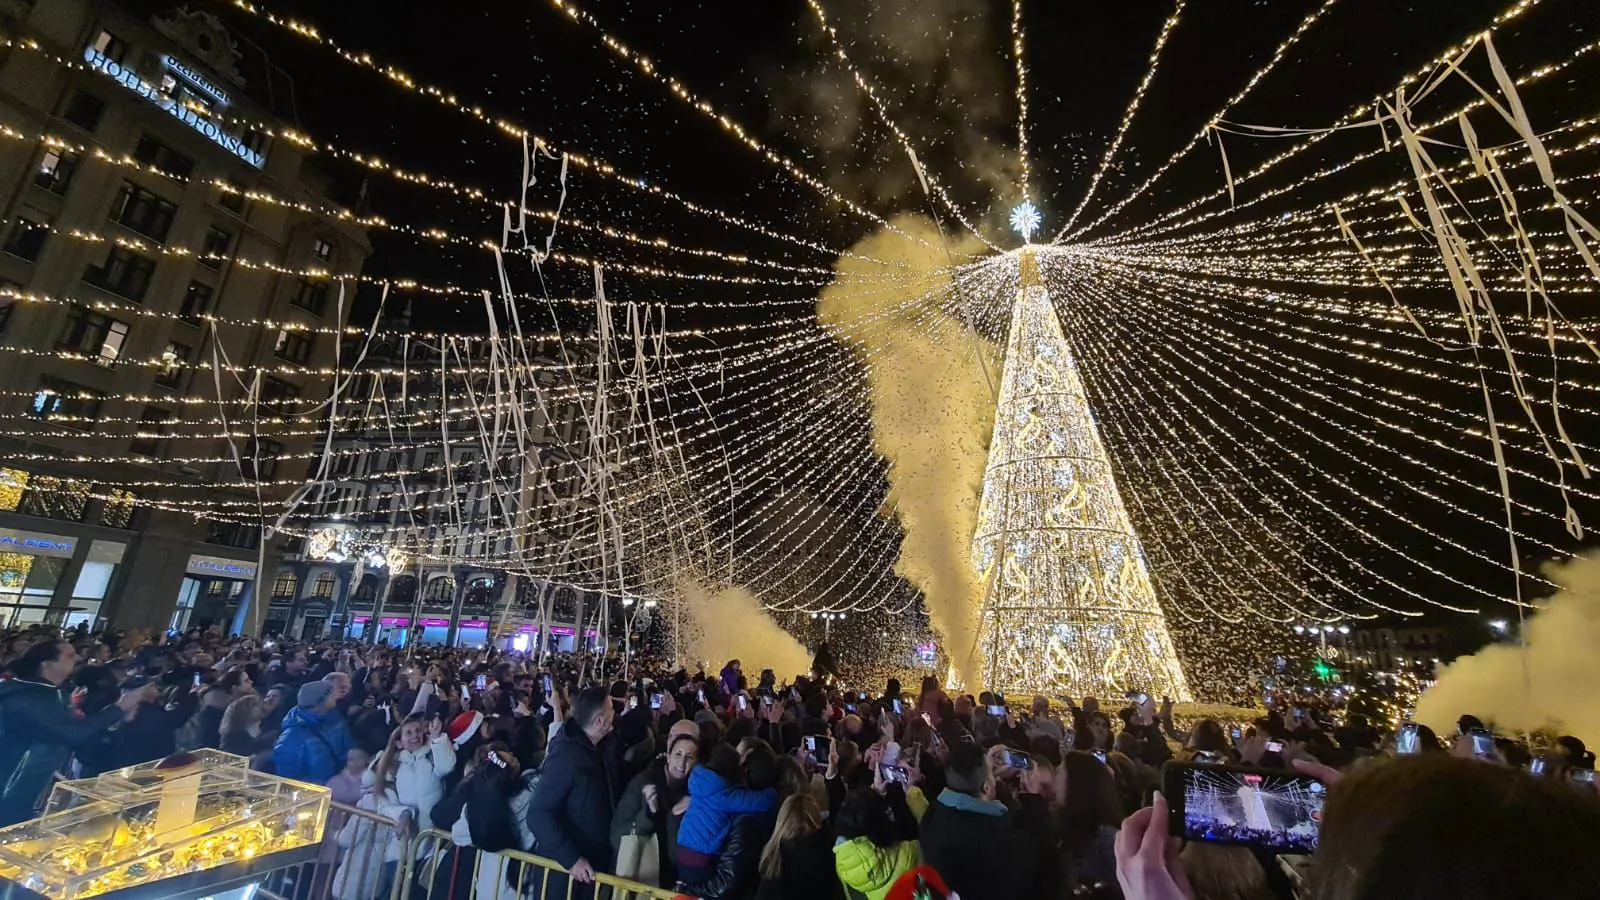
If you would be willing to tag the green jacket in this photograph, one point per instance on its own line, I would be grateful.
(868, 871)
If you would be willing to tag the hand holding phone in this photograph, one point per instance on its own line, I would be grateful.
(1012, 759)
(1272, 810)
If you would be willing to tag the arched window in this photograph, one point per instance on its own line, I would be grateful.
(323, 586)
(286, 585)
(404, 591)
(368, 590)
(440, 590)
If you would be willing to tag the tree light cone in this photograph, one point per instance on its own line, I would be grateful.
(1068, 604)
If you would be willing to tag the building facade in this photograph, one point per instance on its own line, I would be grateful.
(131, 258)
(409, 536)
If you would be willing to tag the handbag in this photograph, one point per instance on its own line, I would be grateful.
(639, 858)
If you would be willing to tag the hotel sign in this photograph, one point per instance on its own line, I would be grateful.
(200, 82)
(219, 567)
(36, 544)
(131, 80)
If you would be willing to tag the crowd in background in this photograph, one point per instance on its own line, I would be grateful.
(735, 784)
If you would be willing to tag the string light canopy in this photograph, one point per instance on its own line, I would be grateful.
(1297, 402)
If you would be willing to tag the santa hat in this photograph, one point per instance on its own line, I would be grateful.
(921, 883)
(463, 727)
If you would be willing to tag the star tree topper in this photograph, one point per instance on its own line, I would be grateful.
(1025, 219)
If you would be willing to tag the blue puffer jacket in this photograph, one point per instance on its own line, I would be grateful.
(713, 805)
(312, 746)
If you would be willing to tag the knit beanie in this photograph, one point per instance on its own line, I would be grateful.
(314, 693)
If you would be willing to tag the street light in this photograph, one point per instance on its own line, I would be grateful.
(827, 622)
(1499, 626)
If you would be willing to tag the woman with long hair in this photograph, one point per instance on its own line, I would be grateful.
(797, 862)
(495, 819)
(411, 772)
(241, 727)
(1090, 812)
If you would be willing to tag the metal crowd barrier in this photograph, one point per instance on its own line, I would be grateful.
(362, 858)
(447, 872)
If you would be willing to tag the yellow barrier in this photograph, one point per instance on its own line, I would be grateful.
(362, 858)
(448, 872)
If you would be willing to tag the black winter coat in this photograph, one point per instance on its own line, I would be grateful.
(37, 737)
(570, 815)
(981, 857)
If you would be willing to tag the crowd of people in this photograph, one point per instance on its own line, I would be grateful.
(728, 784)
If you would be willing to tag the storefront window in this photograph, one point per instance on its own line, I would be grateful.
(94, 582)
(12, 484)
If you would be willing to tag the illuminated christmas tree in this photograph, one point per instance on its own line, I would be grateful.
(1068, 604)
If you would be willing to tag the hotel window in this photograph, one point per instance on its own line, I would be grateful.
(27, 238)
(153, 153)
(110, 46)
(311, 296)
(285, 585)
(124, 272)
(214, 252)
(55, 170)
(322, 249)
(85, 111)
(174, 365)
(196, 302)
(152, 435)
(276, 395)
(260, 459)
(294, 346)
(232, 199)
(143, 211)
(94, 334)
(323, 586)
(72, 404)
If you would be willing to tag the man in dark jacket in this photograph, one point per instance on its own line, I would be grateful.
(38, 733)
(973, 840)
(570, 815)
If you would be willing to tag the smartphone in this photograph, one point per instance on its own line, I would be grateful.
(549, 684)
(896, 774)
(465, 694)
(655, 701)
(817, 745)
(1274, 746)
(1272, 810)
(633, 702)
(701, 695)
(1208, 756)
(1236, 733)
(899, 708)
(849, 707)
(997, 710)
(1069, 738)
(1101, 755)
(1408, 741)
(1014, 760)
(386, 719)
(766, 701)
(481, 682)
(1483, 745)
(1138, 696)
(744, 703)
(197, 679)
(1581, 776)
(1536, 766)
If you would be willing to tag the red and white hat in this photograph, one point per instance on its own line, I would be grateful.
(464, 726)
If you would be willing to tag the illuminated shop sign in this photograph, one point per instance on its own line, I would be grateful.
(130, 80)
(218, 567)
(196, 80)
(35, 544)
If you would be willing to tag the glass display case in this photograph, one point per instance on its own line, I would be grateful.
(191, 819)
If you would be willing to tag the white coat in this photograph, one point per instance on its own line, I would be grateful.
(491, 867)
(364, 847)
(418, 781)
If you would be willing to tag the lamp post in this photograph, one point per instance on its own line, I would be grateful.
(828, 618)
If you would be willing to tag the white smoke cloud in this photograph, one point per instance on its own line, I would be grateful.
(932, 412)
(729, 623)
(1560, 686)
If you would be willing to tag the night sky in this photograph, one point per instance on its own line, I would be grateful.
(945, 68)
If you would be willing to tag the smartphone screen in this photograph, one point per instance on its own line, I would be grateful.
(481, 682)
(633, 702)
(1274, 746)
(701, 695)
(1013, 759)
(655, 701)
(1483, 744)
(549, 684)
(1408, 741)
(1101, 755)
(744, 704)
(896, 774)
(1272, 810)
(197, 679)
(899, 707)
(1536, 766)
(817, 746)
(996, 710)
(1207, 756)
(1581, 776)
(1235, 732)
(849, 707)
(766, 700)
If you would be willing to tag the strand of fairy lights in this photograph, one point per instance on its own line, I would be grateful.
(1127, 117)
(648, 67)
(882, 109)
(1299, 489)
(1160, 224)
(1137, 406)
(1297, 379)
(1260, 74)
(1110, 375)
(1019, 43)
